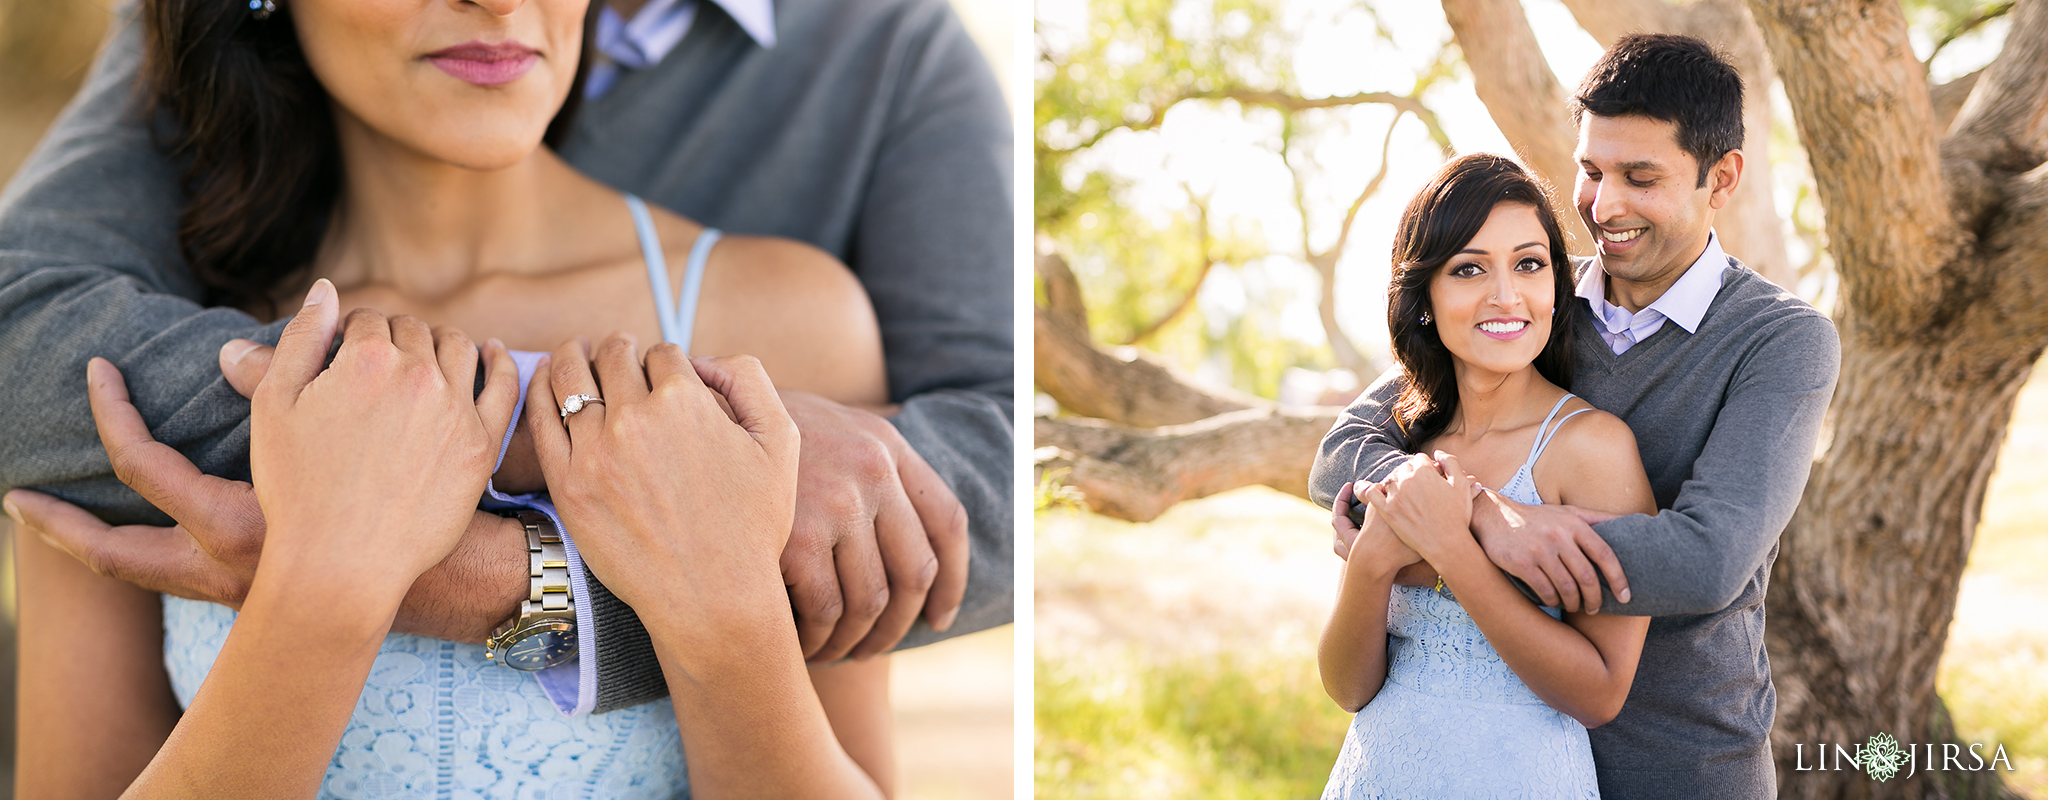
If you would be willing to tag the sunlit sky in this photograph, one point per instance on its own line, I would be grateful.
(1211, 147)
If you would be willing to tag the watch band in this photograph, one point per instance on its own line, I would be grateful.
(547, 562)
(543, 634)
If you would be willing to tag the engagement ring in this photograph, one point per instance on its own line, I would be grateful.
(576, 402)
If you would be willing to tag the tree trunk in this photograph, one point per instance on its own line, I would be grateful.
(1523, 96)
(1865, 584)
(1943, 311)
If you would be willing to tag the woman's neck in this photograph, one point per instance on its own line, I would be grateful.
(428, 228)
(1489, 401)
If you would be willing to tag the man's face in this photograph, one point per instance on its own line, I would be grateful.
(1638, 193)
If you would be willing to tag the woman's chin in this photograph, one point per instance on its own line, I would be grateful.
(485, 152)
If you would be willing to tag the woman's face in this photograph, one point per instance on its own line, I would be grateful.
(1493, 300)
(469, 82)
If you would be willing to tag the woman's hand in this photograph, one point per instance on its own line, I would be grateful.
(682, 509)
(368, 469)
(1428, 504)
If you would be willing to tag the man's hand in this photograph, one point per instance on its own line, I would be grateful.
(211, 553)
(879, 537)
(1341, 525)
(1553, 549)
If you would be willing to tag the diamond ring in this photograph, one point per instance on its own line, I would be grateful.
(576, 402)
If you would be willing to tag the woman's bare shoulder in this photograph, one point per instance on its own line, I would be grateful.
(1593, 462)
(797, 308)
(1594, 434)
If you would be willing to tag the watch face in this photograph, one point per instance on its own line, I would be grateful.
(541, 650)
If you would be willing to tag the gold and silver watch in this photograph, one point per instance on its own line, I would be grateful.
(543, 634)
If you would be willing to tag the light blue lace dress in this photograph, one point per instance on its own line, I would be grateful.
(438, 720)
(1452, 720)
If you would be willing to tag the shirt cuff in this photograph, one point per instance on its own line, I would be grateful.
(571, 686)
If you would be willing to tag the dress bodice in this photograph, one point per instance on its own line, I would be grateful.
(438, 720)
(1452, 719)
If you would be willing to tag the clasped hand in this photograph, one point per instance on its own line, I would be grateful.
(880, 541)
(682, 507)
(366, 468)
(1412, 515)
(1553, 550)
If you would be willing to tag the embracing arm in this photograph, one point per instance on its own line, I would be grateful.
(1697, 556)
(1584, 664)
(694, 529)
(1365, 444)
(935, 250)
(89, 266)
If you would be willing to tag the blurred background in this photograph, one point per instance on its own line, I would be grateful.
(953, 700)
(1217, 183)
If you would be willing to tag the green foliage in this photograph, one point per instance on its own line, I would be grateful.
(1228, 728)
(1119, 75)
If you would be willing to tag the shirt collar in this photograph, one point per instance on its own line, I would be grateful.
(1687, 300)
(756, 17)
(660, 25)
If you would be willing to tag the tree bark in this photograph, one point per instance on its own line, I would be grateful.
(1136, 474)
(1943, 311)
(1129, 387)
(1523, 96)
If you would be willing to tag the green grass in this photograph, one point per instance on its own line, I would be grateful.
(1125, 727)
(1999, 695)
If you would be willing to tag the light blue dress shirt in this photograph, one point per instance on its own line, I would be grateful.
(657, 28)
(1684, 303)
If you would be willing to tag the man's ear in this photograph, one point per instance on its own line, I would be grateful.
(1723, 178)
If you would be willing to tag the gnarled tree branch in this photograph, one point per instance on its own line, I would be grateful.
(1522, 94)
(1136, 474)
(1870, 138)
(1129, 387)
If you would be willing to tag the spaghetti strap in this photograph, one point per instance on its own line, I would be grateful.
(677, 318)
(1547, 432)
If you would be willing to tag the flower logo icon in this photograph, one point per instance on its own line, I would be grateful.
(1882, 757)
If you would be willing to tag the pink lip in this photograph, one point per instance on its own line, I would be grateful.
(1505, 337)
(486, 65)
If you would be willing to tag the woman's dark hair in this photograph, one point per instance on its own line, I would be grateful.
(1440, 221)
(263, 166)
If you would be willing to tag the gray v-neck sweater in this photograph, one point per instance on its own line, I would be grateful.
(1725, 418)
(874, 129)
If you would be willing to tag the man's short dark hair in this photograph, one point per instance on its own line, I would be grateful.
(1676, 79)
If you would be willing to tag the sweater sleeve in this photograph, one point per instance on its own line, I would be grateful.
(1365, 444)
(935, 250)
(1699, 555)
(89, 266)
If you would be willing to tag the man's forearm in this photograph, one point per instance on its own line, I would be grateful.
(934, 251)
(474, 589)
(89, 266)
(1365, 444)
(1699, 555)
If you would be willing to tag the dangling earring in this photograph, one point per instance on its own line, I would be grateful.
(1426, 318)
(262, 9)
